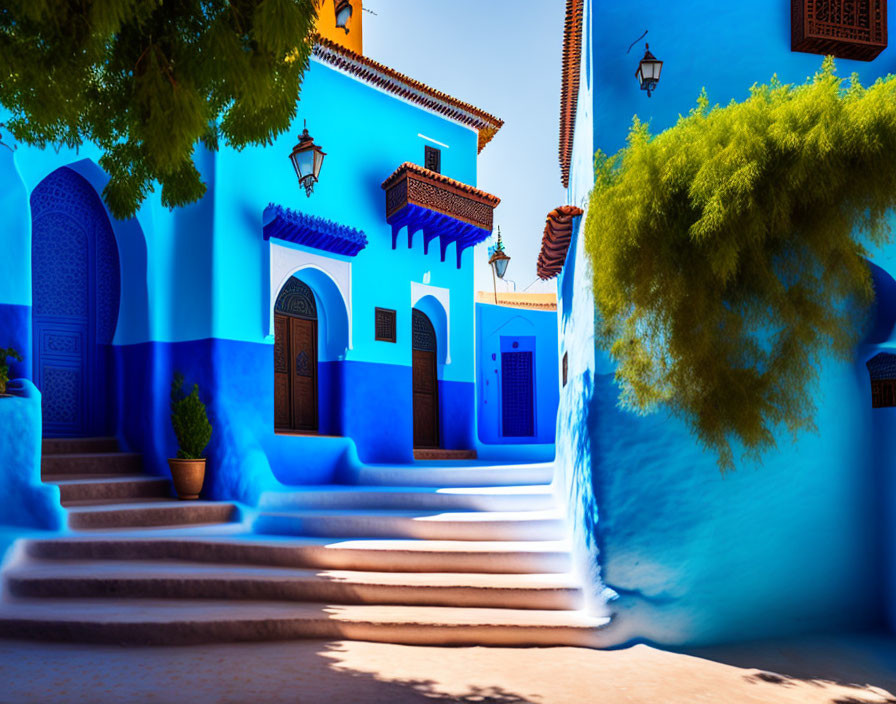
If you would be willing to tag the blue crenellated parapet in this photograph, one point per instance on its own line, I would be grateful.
(311, 231)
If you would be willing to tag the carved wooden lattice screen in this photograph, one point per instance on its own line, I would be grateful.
(847, 29)
(384, 327)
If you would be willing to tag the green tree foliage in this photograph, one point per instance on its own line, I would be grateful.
(189, 419)
(146, 80)
(729, 253)
(5, 356)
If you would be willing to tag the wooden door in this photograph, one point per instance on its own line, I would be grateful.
(425, 382)
(295, 358)
(303, 356)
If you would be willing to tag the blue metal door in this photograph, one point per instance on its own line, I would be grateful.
(517, 387)
(75, 295)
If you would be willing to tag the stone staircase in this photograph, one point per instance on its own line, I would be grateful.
(103, 488)
(447, 554)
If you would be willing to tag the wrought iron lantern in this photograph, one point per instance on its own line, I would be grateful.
(498, 262)
(499, 259)
(649, 70)
(307, 158)
(343, 14)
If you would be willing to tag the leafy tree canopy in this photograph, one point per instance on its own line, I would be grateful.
(146, 80)
(728, 253)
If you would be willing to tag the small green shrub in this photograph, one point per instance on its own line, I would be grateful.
(189, 419)
(5, 356)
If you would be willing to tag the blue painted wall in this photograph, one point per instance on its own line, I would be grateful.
(24, 499)
(680, 554)
(196, 293)
(497, 325)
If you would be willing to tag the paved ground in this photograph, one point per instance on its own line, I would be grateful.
(835, 670)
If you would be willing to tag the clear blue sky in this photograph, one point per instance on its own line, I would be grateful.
(504, 57)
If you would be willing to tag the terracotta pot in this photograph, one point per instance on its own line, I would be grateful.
(188, 476)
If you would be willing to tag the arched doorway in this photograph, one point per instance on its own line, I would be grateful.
(295, 358)
(75, 297)
(425, 381)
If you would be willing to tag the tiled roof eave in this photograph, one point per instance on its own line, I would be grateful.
(388, 79)
(409, 167)
(556, 239)
(569, 85)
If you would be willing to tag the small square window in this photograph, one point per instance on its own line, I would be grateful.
(433, 159)
(565, 367)
(385, 325)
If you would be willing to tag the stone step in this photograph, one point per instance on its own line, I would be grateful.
(178, 580)
(439, 454)
(90, 488)
(91, 463)
(69, 446)
(184, 622)
(538, 557)
(499, 498)
(464, 525)
(454, 475)
(147, 513)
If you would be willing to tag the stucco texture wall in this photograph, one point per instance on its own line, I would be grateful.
(25, 501)
(679, 553)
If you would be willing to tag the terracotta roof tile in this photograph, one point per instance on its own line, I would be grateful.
(433, 176)
(555, 241)
(514, 299)
(569, 86)
(391, 80)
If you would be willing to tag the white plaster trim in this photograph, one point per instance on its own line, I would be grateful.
(434, 141)
(443, 296)
(286, 261)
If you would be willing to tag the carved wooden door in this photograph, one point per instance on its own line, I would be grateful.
(295, 358)
(425, 382)
(75, 294)
(303, 357)
(282, 402)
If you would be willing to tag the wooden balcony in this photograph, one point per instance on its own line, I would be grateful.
(440, 207)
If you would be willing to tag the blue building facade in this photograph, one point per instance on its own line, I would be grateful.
(323, 331)
(676, 552)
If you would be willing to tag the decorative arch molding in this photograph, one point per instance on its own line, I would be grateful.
(435, 302)
(134, 323)
(328, 278)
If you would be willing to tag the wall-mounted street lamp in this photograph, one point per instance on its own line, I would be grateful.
(307, 158)
(343, 14)
(498, 262)
(649, 70)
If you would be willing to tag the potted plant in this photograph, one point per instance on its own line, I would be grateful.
(5, 356)
(193, 431)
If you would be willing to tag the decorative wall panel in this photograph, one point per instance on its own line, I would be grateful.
(296, 299)
(882, 370)
(424, 335)
(385, 328)
(75, 293)
(848, 29)
(517, 395)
